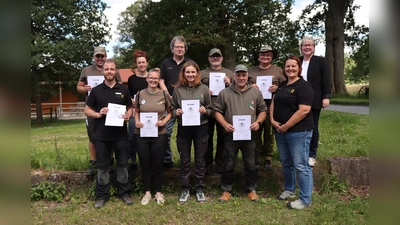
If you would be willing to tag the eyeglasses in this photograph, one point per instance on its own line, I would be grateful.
(179, 47)
(215, 57)
(307, 45)
(154, 78)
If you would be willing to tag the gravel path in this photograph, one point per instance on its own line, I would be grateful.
(349, 109)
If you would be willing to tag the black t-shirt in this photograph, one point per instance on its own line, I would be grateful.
(136, 84)
(287, 100)
(170, 72)
(99, 97)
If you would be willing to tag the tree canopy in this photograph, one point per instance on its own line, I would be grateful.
(238, 28)
(63, 36)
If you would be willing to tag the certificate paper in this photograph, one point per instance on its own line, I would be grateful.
(93, 81)
(191, 114)
(264, 82)
(149, 128)
(114, 115)
(242, 123)
(217, 83)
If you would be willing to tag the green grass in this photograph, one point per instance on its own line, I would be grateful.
(351, 98)
(63, 145)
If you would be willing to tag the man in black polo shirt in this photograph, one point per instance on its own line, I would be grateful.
(170, 69)
(110, 138)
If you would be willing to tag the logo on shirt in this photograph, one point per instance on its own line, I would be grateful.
(251, 104)
(143, 102)
(119, 95)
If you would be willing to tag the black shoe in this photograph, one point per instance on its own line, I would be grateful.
(168, 165)
(92, 170)
(268, 164)
(127, 200)
(99, 203)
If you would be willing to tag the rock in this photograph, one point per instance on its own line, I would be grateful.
(352, 170)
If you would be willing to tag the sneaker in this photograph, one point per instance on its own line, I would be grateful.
(91, 171)
(296, 205)
(159, 198)
(127, 200)
(146, 199)
(312, 161)
(184, 197)
(268, 164)
(225, 197)
(99, 203)
(200, 196)
(253, 196)
(285, 195)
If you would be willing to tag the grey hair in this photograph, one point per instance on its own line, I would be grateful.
(177, 38)
(306, 38)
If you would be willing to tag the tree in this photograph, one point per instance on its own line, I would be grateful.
(63, 35)
(335, 20)
(238, 28)
(359, 71)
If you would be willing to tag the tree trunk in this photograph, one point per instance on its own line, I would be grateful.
(335, 43)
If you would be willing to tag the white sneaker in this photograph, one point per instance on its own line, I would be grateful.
(159, 198)
(146, 199)
(312, 161)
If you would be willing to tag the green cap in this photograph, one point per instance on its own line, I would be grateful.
(241, 67)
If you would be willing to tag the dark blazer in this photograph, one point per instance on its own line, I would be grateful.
(319, 76)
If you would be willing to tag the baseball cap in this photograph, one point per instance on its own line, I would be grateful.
(241, 67)
(99, 50)
(268, 48)
(213, 51)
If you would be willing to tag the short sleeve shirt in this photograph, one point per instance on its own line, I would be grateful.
(99, 97)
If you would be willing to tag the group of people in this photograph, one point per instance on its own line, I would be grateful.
(162, 95)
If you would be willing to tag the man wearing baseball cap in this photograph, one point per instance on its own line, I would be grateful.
(265, 151)
(240, 98)
(215, 58)
(99, 57)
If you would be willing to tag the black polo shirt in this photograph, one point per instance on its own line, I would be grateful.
(287, 100)
(170, 72)
(99, 97)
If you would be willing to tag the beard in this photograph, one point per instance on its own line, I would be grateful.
(109, 77)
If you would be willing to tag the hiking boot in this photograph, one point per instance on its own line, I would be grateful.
(253, 196)
(146, 199)
(285, 195)
(296, 205)
(127, 200)
(184, 197)
(200, 196)
(268, 164)
(225, 197)
(92, 170)
(312, 161)
(99, 203)
(159, 198)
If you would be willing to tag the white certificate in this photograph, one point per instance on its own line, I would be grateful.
(264, 82)
(93, 81)
(217, 83)
(149, 128)
(241, 123)
(114, 115)
(191, 114)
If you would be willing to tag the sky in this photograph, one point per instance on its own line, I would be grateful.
(118, 6)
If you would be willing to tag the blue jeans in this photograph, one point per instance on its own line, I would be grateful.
(293, 150)
(131, 143)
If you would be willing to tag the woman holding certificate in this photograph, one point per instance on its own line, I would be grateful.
(191, 103)
(151, 134)
(293, 125)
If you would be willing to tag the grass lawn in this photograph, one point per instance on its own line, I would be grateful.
(63, 146)
(352, 98)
